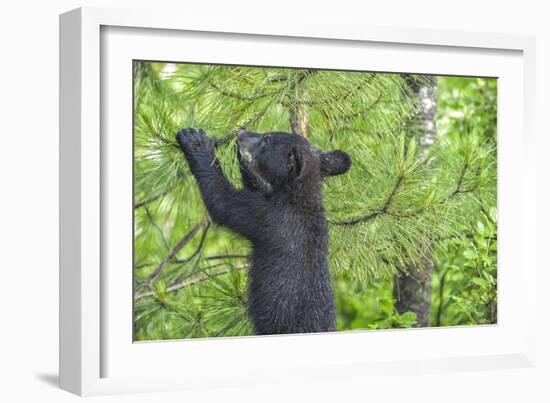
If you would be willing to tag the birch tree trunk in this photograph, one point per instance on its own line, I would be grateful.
(413, 290)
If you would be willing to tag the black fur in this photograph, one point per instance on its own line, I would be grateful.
(280, 210)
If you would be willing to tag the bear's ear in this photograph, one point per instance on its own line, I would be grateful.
(295, 163)
(334, 163)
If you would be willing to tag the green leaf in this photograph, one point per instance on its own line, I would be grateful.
(470, 254)
(408, 318)
(480, 227)
(493, 214)
(480, 282)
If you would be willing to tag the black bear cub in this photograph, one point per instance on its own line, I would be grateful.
(280, 210)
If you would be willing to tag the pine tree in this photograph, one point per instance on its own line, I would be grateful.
(385, 215)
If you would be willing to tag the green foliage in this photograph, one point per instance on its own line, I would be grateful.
(396, 203)
(468, 105)
(465, 282)
(368, 305)
(466, 289)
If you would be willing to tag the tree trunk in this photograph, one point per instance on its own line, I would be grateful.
(299, 120)
(299, 112)
(413, 289)
(413, 292)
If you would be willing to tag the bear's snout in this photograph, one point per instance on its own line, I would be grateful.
(248, 141)
(246, 137)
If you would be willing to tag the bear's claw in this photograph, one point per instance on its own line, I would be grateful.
(192, 140)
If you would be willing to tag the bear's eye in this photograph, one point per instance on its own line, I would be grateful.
(266, 140)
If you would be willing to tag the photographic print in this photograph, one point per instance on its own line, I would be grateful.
(272, 200)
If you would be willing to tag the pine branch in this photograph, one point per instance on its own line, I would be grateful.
(238, 96)
(460, 180)
(213, 257)
(467, 235)
(386, 207)
(187, 283)
(342, 97)
(157, 227)
(278, 79)
(199, 248)
(381, 211)
(177, 247)
(158, 196)
(362, 111)
(220, 257)
(253, 120)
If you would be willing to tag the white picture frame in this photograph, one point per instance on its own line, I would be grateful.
(96, 354)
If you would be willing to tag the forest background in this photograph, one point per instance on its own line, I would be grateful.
(413, 225)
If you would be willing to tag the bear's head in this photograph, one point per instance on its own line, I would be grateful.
(275, 161)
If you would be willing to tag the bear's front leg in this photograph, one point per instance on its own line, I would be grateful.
(227, 206)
